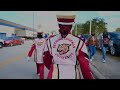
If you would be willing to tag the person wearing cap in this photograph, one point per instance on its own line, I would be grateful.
(66, 56)
(38, 48)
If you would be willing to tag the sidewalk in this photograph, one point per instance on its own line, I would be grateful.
(96, 73)
(108, 70)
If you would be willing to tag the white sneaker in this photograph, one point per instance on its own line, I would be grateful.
(38, 74)
(90, 59)
(104, 61)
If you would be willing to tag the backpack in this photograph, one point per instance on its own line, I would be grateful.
(105, 41)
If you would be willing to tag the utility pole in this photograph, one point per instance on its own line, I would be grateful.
(76, 29)
(39, 27)
(33, 24)
(90, 28)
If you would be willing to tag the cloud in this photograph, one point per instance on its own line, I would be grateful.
(113, 23)
(47, 20)
(108, 13)
(111, 28)
(114, 20)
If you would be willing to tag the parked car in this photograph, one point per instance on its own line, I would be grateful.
(1, 43)
(11, 41)
(8, 42)
(23, 40)
(114, 44)
(18, 40)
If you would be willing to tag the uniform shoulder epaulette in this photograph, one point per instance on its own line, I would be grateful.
(76, 36)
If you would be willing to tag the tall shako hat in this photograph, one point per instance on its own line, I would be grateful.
(39, 33)
(65, 21)
(66, 18)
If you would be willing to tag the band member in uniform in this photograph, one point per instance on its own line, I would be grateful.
(38, 48)
(66, 56)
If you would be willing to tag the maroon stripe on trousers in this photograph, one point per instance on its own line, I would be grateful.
(37, 65)
(41, 70)
(65, 20)
(50, 72)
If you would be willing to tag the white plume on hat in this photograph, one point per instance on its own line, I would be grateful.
(66, 17)
(66, 14)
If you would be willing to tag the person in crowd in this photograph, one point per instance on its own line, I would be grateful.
(38, 49)
(105, 45)
(92, 43)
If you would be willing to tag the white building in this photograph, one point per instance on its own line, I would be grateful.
(6, 31)
(10, 29)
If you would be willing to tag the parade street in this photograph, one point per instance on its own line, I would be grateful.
(14, 65)
(108, 70)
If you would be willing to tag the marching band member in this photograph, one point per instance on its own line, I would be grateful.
(66, 56)
(38, 48)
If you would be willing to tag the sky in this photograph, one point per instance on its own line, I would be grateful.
(46, 20)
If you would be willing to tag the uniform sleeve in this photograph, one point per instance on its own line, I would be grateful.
(83, 59)
(47, 59)
(31, 50)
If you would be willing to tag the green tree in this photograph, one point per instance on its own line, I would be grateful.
(79, 28)
(117, 30)
(98, 25)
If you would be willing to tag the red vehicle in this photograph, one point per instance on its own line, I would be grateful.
(12, 41)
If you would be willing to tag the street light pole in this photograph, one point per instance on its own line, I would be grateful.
(90, 28)
(33, 24)
(76, 29)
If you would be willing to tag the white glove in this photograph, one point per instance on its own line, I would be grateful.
(28, 58)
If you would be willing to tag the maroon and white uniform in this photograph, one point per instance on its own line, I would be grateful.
(66, 56)
(69, 58)
(40, 44)
(38, 48)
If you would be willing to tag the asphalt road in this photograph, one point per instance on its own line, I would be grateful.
(13, 64)
(108, 70)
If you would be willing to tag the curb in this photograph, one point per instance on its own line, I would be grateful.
(96, 73)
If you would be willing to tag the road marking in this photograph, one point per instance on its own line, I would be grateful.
(12, 60)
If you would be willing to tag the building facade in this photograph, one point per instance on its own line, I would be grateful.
(11, 29)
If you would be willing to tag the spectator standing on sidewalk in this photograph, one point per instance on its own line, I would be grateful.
(92, 43)
(38, 48)
(105, 45)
